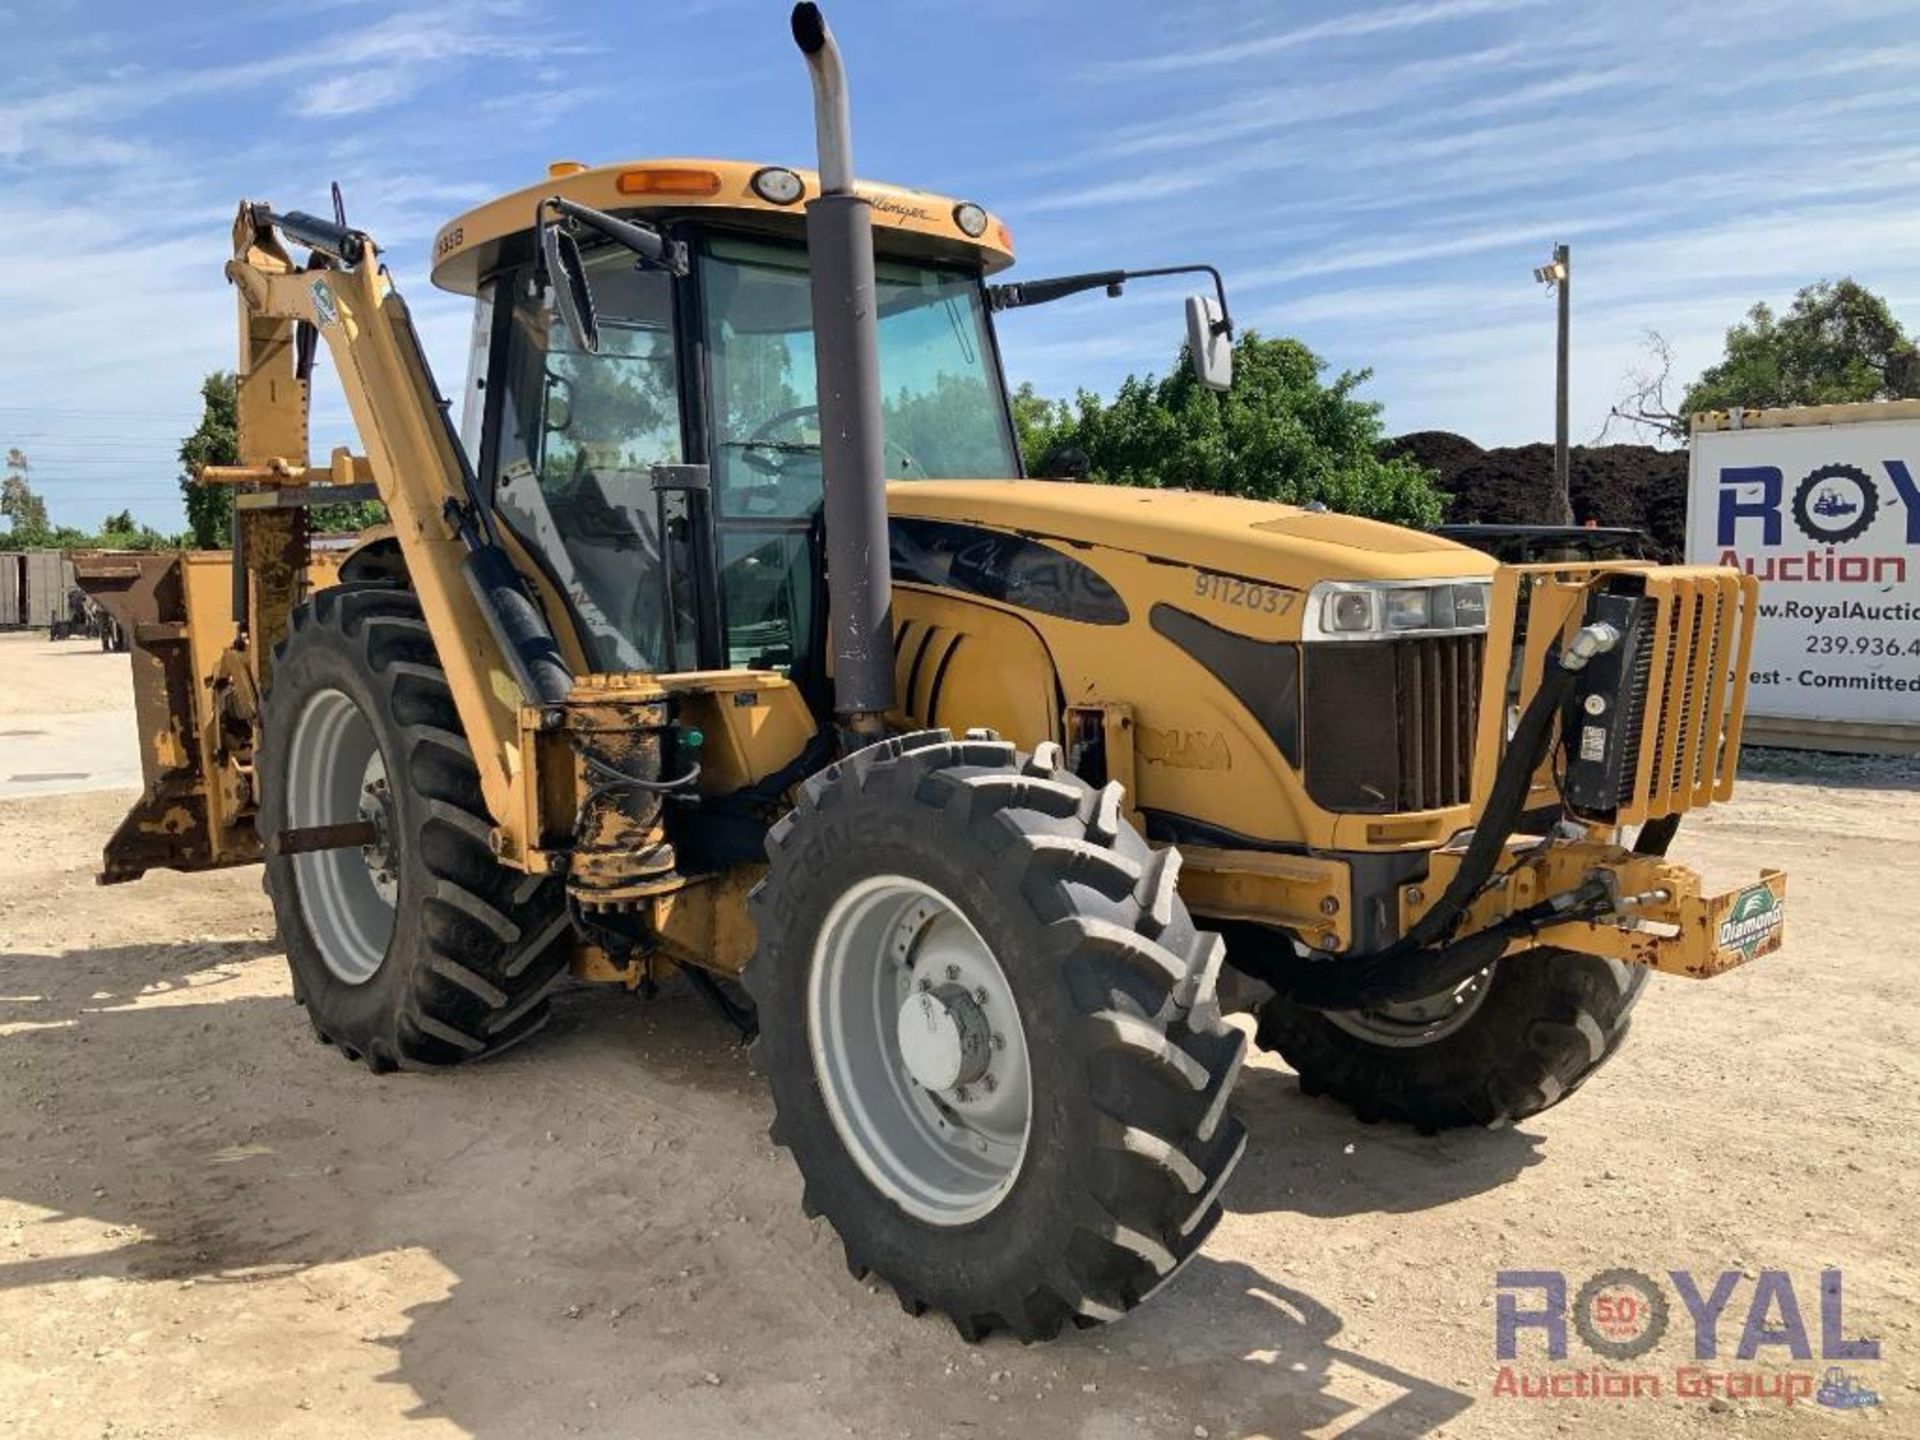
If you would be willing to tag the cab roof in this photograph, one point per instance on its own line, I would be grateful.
(905, 222)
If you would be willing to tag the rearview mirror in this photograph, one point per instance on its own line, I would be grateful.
(567, 274)
(1209, 342)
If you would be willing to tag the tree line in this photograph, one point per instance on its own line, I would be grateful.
(209, 508)
(1284, 432)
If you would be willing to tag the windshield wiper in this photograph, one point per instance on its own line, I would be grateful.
(951, 305)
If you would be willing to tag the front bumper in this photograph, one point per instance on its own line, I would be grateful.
(1660, 915)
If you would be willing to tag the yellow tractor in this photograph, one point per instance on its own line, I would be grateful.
(730, 641)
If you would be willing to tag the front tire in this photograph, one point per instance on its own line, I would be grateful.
(1061, 1174)
(1514, 1040)
(422, 950)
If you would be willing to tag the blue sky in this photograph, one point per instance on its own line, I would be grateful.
(1375, 179)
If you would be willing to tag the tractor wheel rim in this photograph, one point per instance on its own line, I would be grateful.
(1406, 1024)
(336, 775)
(919, 1050)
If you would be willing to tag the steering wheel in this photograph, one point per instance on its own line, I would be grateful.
(761, 440)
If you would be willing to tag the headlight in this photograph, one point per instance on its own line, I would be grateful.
(1385, 609)
(1409, 609)
(971, 219)
(777, 185)
(1349, 610)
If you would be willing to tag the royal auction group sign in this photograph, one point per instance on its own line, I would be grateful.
(1827, 517)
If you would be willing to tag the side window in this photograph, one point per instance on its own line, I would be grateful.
(578, 436)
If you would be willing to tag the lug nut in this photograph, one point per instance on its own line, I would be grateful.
(980, 995)
(953, 972)
(925, 984)
(999, 1041)
(989, 1083)
(960, 1094)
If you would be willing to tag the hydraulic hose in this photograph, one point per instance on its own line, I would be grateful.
(1422, 961)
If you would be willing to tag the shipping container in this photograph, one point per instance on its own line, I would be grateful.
(34, 586)
(1821, 504)
(13, 589)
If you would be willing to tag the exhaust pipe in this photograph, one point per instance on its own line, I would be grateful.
(847, 363)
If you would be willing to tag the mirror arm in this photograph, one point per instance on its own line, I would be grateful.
(652, 249)
(1014, 294)
(1222, 326)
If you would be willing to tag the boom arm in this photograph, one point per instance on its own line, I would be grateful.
(492, 640)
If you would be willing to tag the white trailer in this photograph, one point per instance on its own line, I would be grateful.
(1822, 504)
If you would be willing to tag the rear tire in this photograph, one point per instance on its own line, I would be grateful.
(1128, 1064)
(453, 957)
(1544, 1023)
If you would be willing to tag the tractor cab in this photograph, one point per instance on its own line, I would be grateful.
(669, 480)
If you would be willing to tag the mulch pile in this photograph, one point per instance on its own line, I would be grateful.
(1633, 485)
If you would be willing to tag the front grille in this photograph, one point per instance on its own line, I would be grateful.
(1390, 725)
(1439, 682)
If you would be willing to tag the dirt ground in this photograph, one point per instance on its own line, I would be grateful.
(212, 1226)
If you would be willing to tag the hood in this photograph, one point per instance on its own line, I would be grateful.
(1256, 539)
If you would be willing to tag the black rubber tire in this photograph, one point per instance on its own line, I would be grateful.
(476, 946)
(1132, 1064)
(1549, 1020)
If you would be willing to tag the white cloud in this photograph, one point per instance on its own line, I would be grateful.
(1357, 24)
(109, 331)
(356, 94)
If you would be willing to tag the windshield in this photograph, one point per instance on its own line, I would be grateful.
(940, 387)
(944, 417)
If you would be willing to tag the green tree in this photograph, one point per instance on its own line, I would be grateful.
(1037, 424)
(215, 441)
(123, 532)
(1281, 433)
(1837, 343)
(20, 505)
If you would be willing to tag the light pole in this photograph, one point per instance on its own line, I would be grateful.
(1557, 274)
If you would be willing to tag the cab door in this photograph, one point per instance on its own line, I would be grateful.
(571, 443)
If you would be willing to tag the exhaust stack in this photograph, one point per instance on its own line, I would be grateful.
(847, 364)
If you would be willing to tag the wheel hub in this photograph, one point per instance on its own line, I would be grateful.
(944, 1038)
(1407, 1024)
(335, 774)
(376, 806)
(918, 1050)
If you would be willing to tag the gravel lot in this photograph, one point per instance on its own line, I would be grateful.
(210, 1225)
